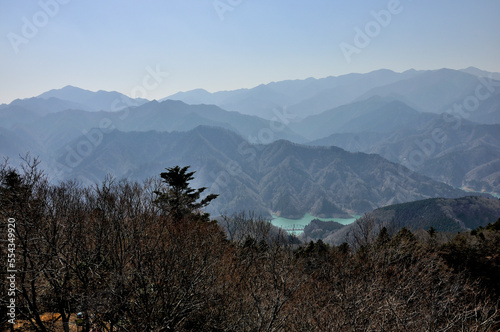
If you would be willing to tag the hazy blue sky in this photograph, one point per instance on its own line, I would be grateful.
(229, 44)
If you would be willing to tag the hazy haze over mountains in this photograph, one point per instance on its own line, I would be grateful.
(426, 91)
(93, 101)
(281, 177)
(300, 97)
(237, 165)
(250, 160)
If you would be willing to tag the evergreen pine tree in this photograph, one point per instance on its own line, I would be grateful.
(180, 200)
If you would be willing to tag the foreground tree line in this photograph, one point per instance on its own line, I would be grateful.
(144, 257)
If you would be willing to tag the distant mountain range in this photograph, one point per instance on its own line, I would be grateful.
(300, 97)
(54, 130)
(426, 91)
(283, 178)
(444, 215)
(452, 150)
(73, 98)
(240, 142)
(373, 115)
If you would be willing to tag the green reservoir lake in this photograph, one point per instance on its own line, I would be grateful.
(481, 192)
(296, 226)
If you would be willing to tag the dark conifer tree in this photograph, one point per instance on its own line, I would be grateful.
(180, 200)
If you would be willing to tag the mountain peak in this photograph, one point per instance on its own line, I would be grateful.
(67, 92)
(91, 100)
(480, 73)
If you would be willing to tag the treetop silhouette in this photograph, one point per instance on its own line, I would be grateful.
(180, 200)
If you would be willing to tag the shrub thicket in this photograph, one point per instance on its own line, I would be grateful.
(112, 252)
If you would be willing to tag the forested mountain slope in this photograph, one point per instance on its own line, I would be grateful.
(281, 177)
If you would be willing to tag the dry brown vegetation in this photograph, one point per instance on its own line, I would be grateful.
(111, 251)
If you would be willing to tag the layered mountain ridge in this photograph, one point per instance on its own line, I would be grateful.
(278, 147)
(283, 178)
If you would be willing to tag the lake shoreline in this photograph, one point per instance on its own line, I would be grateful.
(296, 226)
